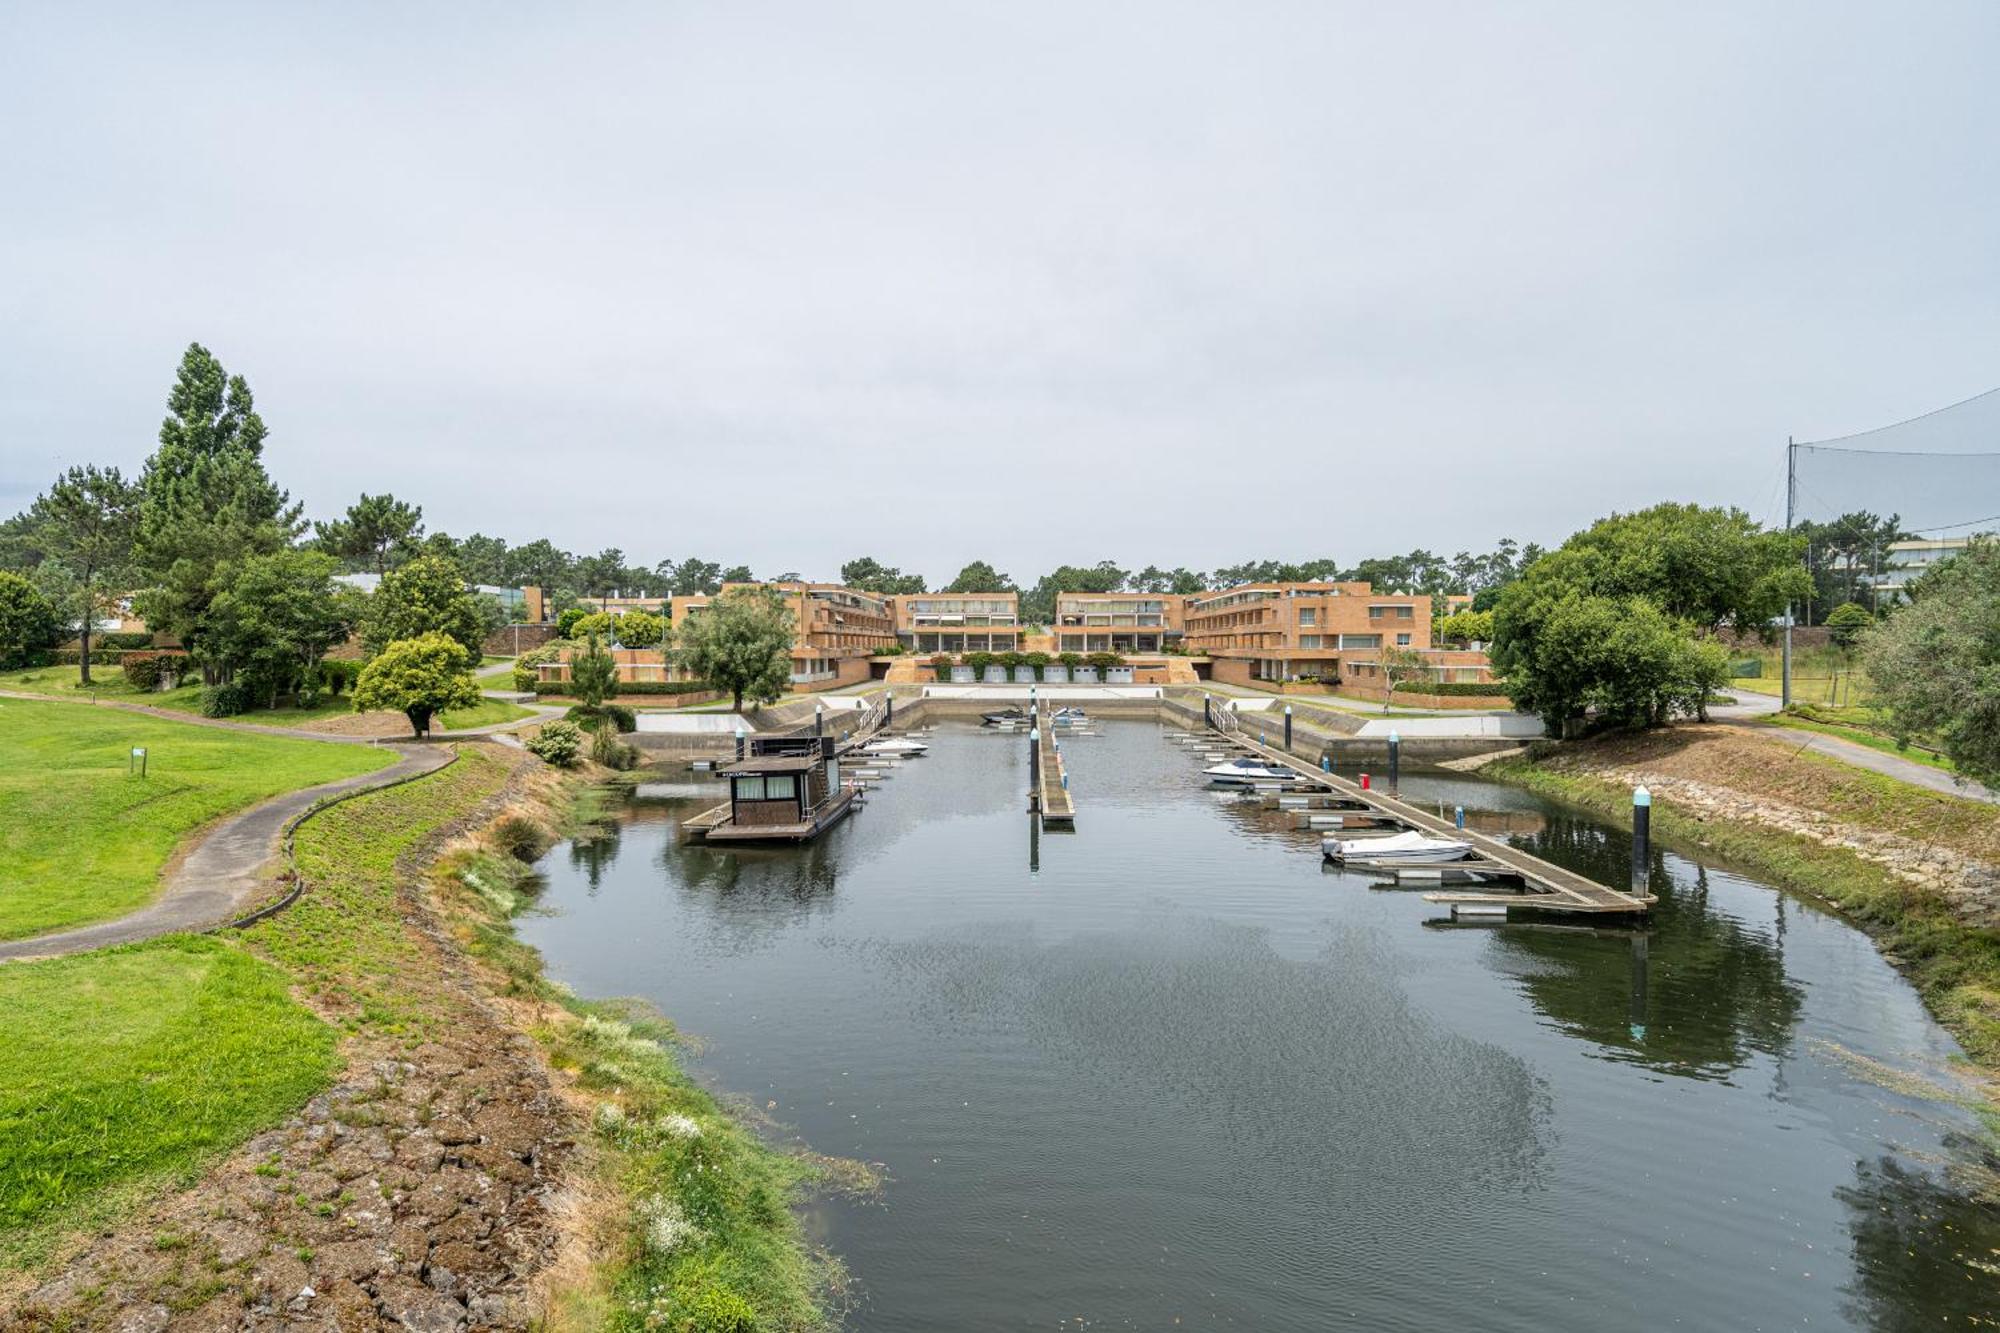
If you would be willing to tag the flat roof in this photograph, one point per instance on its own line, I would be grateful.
(772, 763)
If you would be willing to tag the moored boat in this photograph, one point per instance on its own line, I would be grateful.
(1407, 848)
(1244, 772)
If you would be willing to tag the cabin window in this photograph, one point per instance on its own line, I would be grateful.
(749, 789)
(781, 787)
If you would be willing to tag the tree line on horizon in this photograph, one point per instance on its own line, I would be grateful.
(1624, 622)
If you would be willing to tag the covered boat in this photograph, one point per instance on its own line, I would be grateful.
(1244, 772)
(896, 746)
(1406, 848)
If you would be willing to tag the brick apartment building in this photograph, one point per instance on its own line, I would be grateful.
(1332, 632)
(1118, 622)
(951, 622)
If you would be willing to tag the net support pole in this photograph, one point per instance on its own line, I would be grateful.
(1791, 504)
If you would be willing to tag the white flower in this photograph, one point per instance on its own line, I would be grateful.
(667, 1225)
(677, 1126)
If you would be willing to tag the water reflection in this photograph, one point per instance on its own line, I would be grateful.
(1171, 1073)
(1923, 1248)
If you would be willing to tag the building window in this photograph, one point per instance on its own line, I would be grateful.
(1309, 640)
(1308, 616)
(1360, 641)
(1402, 640)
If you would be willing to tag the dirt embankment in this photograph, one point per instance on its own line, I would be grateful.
(425, 1191)
(1934, 844)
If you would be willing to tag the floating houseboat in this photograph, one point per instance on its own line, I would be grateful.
(787, 789)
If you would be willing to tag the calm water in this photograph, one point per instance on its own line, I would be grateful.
(1180, 1075)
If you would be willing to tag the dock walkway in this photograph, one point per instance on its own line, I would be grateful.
(1053, 800)
(1549, 888)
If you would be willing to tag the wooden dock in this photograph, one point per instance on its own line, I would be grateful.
(1544, 887)
(1056, 806)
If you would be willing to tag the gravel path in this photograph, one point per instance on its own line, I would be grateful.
(223, 876)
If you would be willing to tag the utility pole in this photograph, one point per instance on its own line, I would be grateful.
(1791, 505)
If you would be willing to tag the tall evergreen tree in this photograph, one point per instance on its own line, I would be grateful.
(89, 520)
(377, 530)
(205, 501)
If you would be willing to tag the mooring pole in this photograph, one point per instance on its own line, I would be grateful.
(1207, 710)
(819, 719)
(1642, 836)
(739, 742)
(1458, 815)
(1395, 763)
(1288, 728)
(1035, 765)
(889, 712)
(1791, 502)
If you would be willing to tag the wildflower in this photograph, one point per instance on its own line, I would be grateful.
(667, 1227)
(677, 1126)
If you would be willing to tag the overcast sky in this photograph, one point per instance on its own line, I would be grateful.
(784, 284)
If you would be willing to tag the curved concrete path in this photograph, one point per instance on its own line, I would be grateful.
(222, 878)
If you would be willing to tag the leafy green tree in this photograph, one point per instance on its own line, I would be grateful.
(602, 574)
(28, 623)
(276, 619)
(1400, 667)
(1845, 623)
(205, 502)
(1714, 568)
(868, 574)
(1936, 661)
(484, 559)
(419, 678)
(1466, 627)
(540, 564)
(640, 629)
(741, 643)
(1038, 605)
(89, 520)
(567, 622)
(691, 577)
(1565, 652)
(593, 674)
(427, 595)
(738, 574)
(377, 530)
(979, 576)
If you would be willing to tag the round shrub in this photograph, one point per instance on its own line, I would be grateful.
(521, 836)
(559, 743)
(142, 671)
(226, 700)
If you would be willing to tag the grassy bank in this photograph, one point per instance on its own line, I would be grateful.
(82, 840)
(696, 1229)
(109, 683)
(129, 1068)
(1955, 966)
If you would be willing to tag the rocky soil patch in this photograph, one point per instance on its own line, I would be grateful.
(422, 1193)
(1935, 843)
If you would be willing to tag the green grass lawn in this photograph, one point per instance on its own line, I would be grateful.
(62, 683)
(488, 712)
(136, 1064)
(81, 841)
(1827, 676)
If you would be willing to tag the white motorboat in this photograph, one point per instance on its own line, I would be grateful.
(1069, 717)
(1244, 772)
(1407, 848)
(896, 746)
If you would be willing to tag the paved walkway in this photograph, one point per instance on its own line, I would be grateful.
(223, 877)
(1875, 761)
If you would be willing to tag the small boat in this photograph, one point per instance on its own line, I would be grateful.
(896, 746)
(1406, 848)
(1069, 717)
(1005, 717)
(1244, 772)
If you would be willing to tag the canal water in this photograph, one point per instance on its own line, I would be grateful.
(1169, 1071)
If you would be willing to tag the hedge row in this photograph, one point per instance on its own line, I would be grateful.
(1484, 689)
(563, 687)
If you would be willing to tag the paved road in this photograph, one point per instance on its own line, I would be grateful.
(222, 878)
(1875, 761)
